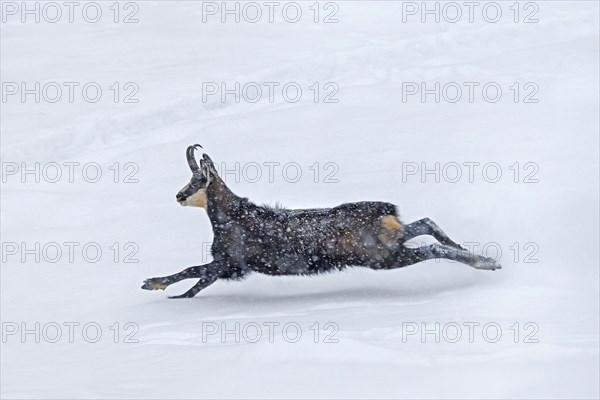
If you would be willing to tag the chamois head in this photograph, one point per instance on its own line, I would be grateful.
(194, 193)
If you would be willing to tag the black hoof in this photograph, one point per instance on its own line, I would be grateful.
(181, 296)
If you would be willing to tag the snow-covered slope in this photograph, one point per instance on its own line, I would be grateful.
(528, 330)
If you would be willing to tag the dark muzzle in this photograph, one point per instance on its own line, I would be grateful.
(181, 197)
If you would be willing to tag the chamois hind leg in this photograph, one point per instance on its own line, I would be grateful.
(426, 226)
(408, 256)
(207, 273)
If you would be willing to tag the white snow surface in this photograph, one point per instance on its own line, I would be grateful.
(368, 134)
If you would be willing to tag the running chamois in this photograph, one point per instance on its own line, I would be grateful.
(274, 241)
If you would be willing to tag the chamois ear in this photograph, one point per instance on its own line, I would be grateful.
(209, 164)
(207, 160)
(208, 172)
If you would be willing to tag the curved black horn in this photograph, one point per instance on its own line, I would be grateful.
(190, 157)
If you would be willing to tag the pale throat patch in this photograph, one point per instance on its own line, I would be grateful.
(198, 199)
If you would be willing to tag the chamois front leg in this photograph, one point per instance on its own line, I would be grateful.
(201, 284)
(426, 226)
(207, 273)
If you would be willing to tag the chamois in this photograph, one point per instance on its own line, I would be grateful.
(277, 241)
